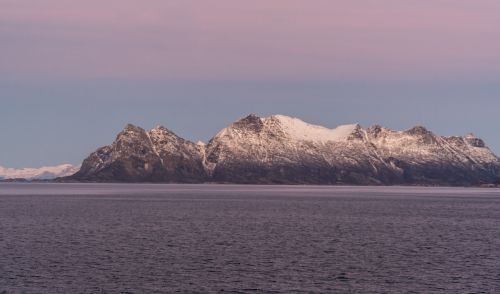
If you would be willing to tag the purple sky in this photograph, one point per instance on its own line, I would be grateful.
(258, 39)
(73, 73)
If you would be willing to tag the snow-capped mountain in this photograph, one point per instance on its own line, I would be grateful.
(42, 173)
(284, 150)
(138, 155)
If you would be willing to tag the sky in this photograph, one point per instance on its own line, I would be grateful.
(73, 73)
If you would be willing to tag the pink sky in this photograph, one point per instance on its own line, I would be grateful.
(258, 39)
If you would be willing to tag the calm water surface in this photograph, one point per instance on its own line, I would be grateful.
(86, 238)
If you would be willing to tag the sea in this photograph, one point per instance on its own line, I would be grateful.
(152, 238)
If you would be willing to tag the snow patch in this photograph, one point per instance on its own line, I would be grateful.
(302, 131)
(157, 129)
(46, 172)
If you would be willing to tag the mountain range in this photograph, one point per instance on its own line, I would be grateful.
(285, 150)
(42, 173)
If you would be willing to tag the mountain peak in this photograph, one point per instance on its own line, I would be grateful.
(418, 130)
(129, 132)
(160, 127)
(250, 122)
(474, 141)
(375, 130)
(132, 127)
(252, 117)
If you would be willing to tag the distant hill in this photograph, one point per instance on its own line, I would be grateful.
(42, 173)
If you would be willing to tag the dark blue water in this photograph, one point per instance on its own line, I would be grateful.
(247, 239)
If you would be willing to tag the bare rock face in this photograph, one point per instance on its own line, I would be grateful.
(285, 150)
(140, 156)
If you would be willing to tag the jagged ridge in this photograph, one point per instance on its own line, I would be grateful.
(140, 156)
(285, 150)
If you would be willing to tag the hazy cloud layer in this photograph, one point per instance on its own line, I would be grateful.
(260, 39)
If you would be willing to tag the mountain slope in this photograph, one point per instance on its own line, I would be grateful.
(140, 156)
(285, 150)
